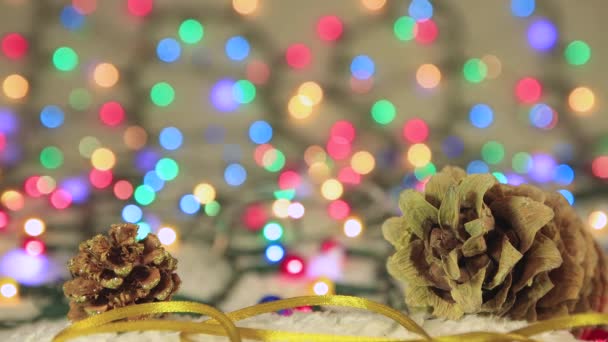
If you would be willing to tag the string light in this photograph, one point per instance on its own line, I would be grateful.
(362, 67)
(237, 48)
(492, 152)
(51, 116)
(274, 253)
(528, 90)
(280, 208)
(404, 28)
(189, 204)
(415, 130)
(542, 35)
(599, 167)
(168, 50)
(577, 53)
(100, 179)
(481, 115)
(312, 92)
(34, 247)
(293, 265)
(598, 220)
(123, 189)
(475, 70)
(338, 210)
(426, 31)
(162, 94)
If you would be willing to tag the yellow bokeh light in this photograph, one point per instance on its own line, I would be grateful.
(363, 162)
(323, 286)
(15, 86)
(245, 7)
(581, 99)
(332, 189)
(204, 193)
(135, 137)
(353, 227)
(373, 5)
(493, 65)
(34, 227)
(280, 208)
(105, 75)
(12, 200)
(167, 235)
(312, 91)
(103, 159)
(598, 220)
(9, 289)
(428, 76)
(46, 185)
(419, 155)
(299, 107)
(315, 154)
(319, 171)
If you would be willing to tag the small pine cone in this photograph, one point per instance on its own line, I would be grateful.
(469, 245)
(116, 271)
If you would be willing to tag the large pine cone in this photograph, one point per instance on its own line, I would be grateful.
(470, 245)
(116, 271)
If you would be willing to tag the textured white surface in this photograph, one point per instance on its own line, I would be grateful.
(343, 323)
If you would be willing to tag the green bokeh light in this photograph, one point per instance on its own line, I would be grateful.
(492, 152)
(500, 177)
(521, 162)
(577, 53)
(601, 146)
(191, 31)
(424, 172)
(287, 194)
(243, 91)
(278, 163)
(404, 28)
(143, 230)
(162, 94)
(383, 112)
(65, 59)
(80, 99)
(51, 157)
(167, 169)
(475, 70)
(144, 194)
(212, 208)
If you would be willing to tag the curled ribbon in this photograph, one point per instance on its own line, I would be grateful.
(223, 324)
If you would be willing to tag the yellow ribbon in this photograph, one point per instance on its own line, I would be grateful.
(223, 324)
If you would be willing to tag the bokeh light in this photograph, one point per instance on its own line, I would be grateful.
(170, 138)
(415, 130)
(475, 70)
(14, 45)
(528, 90)
(383, 112)
(167, 235)
(189, 204)
(51, 116)
(353, 227)
(222, 95)
(65, 59)
(404, 28)
(111, 113)
(419, 155)
(426, 31)
(235, 174)
(428, 76)
(581, 100)
(329, 28)
(140, 8)
(191, 31)
(298, 56)
(162, 94)
(522, 8)
(15, 86)
(260, 132)
(237, 48)
(598, 220)
(542, 34)
(34, 227)
(204, 193)
(420, 9)
(363, 162)
(599, 167)
(481, 115)
(105, 75)
(577, 53)
(51, 157)
(103, 159)
(362, 67)
(373, 5)
(492, 152)
(332, 189)
(168, 50)
(245, 7)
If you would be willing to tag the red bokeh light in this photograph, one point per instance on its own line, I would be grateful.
(111, 113)
(338, 148)
(343, 129)
(259, 153)
(34, 247)
(298, 56)
(100, 179)
(599, 167)
(426, 31)
(258, 72)
(31, 186)
(84, 7)
(2, 142)
(123, 189)
(415, 131)
(14, 45)
(140, 8)
(528, 90)
(348, 176)
(338, 210)
(293, 265)
(289, 180)
(329, 28)
(61, 199)
(254, 217)
(361, 86)
(4, 219)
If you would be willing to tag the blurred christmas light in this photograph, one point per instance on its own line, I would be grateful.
(577, 53)
(46, 185)
(65, 59)
(167, 236)
(319, 171)
(404, 28)
(51, 116)
(493, 65)
(415, 130)
(543, 116)
(123, 190)
(428, 76)
(103, 159)
(599, 167)
(168, 50)
(492, 152)
(243, 91)
(191, 31)
(111, 113)
(383, 112)
(323, 287)
(298, 56)
(61, 199)
(329, 28)
(362, 67)
(481, 115)
(167, 169)
(24, 268)
(222, 96)
(542, 34)
(528, 90)
(88, 145)
(4, 219)
(170, 138)
(280, 208)
(475, 70)
(543, 168)
(273, 231)
(34, 247)
(135, 137)
(338, 210)
(235, 174)
(162, 94)
(100, 179)
(567, 195)
(564, 174)
(293, 265)
(423, 173)
(204, 193)
(521, 162)
(237, 48)
(274, 253)
(34, 227)
(522, 8)
(140, 8)
(258, 72)
(296, 210)
(80, 99)
(332, 189)
(105, 75)
(477, 166)
(420, 9)
(581, 100)
(144, 195)
(15, 86)
(132, 213)
(373, 5)
(85, 7)
(353, 227)
(14, 45)
(312, 92)
(426, 31)
(153, 180)
(77, 187)
(418, 155)
(245, 7)
(143, 230)
(598, 220)
(273, 160)
(363, 162)
(213, 208)
(9, 289)
(189, 204)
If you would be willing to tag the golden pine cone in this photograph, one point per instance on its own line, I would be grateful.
(469, 245)
(116, 271)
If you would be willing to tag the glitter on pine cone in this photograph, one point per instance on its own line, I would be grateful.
(469, 245)
(116, 271)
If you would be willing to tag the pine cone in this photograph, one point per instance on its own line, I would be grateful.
(471, 245)
(116, 271)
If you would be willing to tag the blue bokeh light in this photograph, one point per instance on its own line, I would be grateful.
(274, 253)
(24, 268)
(78, 188)
(260, 132)
(522, 8)
(152, 180)
(564, 174)
(477, 166)
(543, 168)
(170, 138)
(71, 19)
(515, 179)
(420, 9)
(542, 34)
(567, 195)
(132, 213)
(51, 116)
(235, 174)
(146, 159)
(481, 115)
(188, 204)
(541, 116)
(143, 230)
(362, 67)
(237, 48)
(9, 122)
(222, 97)
(168, 50)
(452, 146)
